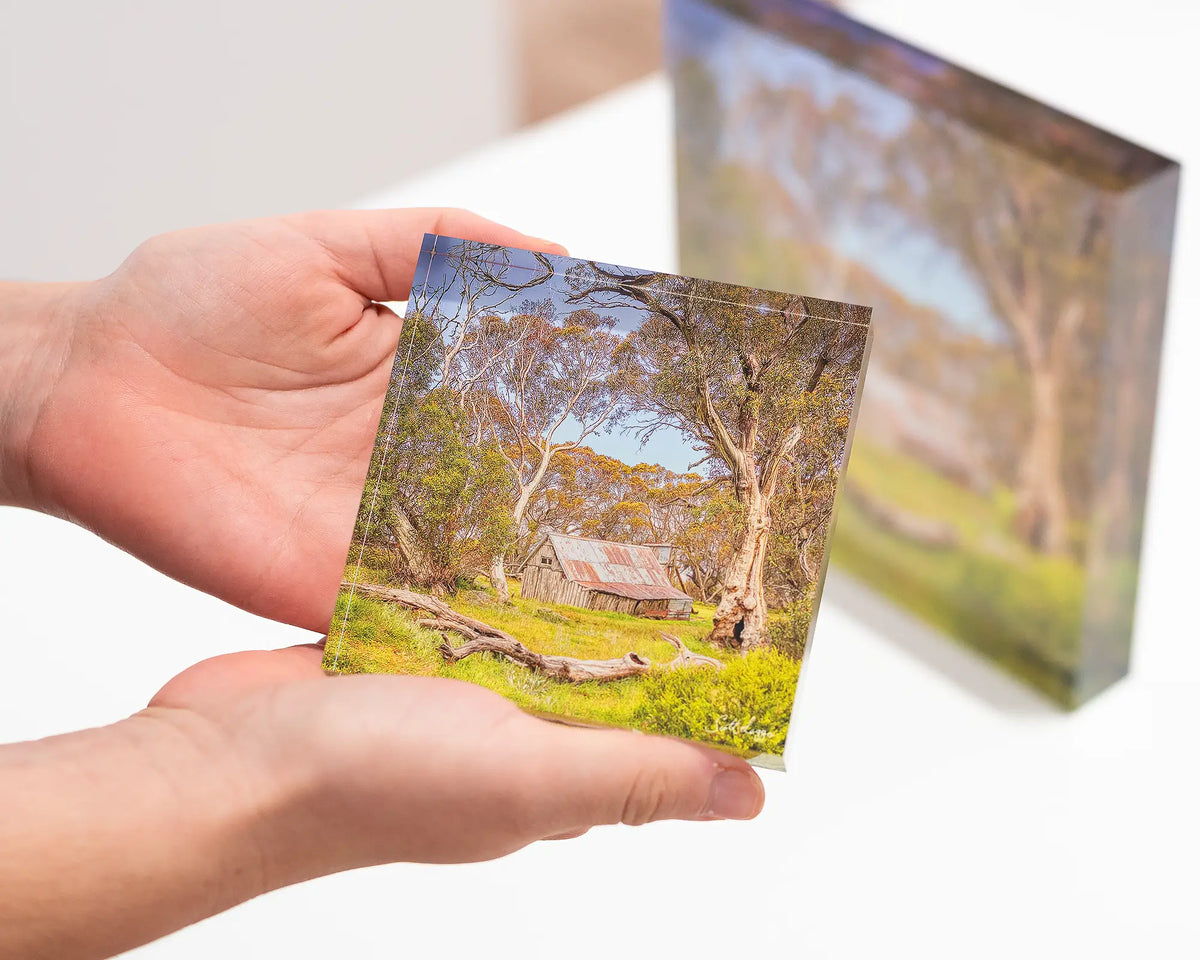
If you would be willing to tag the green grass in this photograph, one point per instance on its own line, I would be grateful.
(1021, 608)
(752, 703)
(907, 484)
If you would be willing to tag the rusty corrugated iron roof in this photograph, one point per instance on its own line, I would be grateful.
(625, 569)
(635, 591)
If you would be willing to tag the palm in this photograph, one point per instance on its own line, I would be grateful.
(426, 769)
(392, 751)
(256, 360)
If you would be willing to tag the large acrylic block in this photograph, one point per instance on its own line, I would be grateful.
(1017, 261)
(604, 493)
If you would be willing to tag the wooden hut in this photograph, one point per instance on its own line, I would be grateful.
(601, 575)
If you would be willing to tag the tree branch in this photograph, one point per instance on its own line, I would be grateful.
(484, 638)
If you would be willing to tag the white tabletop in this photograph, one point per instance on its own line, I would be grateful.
(931, 806)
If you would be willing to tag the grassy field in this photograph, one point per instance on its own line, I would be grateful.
(1019, 607)
(744, 707)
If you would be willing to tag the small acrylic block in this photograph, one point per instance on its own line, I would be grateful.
(604, 493)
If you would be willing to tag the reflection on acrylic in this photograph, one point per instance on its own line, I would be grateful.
(1017, 262)
(604, 493)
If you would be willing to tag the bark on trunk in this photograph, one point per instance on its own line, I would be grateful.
(411, 548)
(497, 576)
(1042, 518)
(1113, 517)
(499, 579)
(740, 622)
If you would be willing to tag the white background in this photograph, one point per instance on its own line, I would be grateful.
(124, 118)
(931, 808)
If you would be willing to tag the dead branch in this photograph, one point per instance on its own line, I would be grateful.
(448, 618)
(689, 658)
(439, 625)
(561, 668)
(482, 637)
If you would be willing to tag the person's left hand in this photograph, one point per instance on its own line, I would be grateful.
(221, 393)
(385, 767)
(255, 770)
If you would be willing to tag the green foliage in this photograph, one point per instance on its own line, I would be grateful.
(379, 565)
(787, 629)
(436, 508)
(746, 706)
(408, 384)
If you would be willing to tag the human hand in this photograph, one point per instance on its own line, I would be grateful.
(220, 393)
(383, 768)
(211, 407)
(254, 770)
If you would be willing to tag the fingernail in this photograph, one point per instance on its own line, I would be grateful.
(735, 795)
(550, 243)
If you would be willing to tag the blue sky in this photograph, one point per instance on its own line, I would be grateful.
(667, 447)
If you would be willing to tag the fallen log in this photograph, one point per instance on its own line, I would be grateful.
(484, 638)
(561, 668)
(689, 658)
(440, 624)
(439, 609)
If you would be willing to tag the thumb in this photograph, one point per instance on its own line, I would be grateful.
(376, 251)
(591, 777)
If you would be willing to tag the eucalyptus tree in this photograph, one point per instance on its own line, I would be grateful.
(745, 375)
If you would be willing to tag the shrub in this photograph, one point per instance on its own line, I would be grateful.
(787, 630)
(378, 564)
(745, 706)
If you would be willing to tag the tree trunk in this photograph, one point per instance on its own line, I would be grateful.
(740, 622)
(411, 548)
(527, 490)
(499, 579)
(1041, 518)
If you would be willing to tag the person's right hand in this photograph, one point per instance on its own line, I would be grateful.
(218, 397)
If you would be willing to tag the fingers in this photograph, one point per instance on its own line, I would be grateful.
(586, 777)
(234, 673)
(569, 835)
(376, 250)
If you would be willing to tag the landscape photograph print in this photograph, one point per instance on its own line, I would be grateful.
(604, 493)
(1017, 262)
